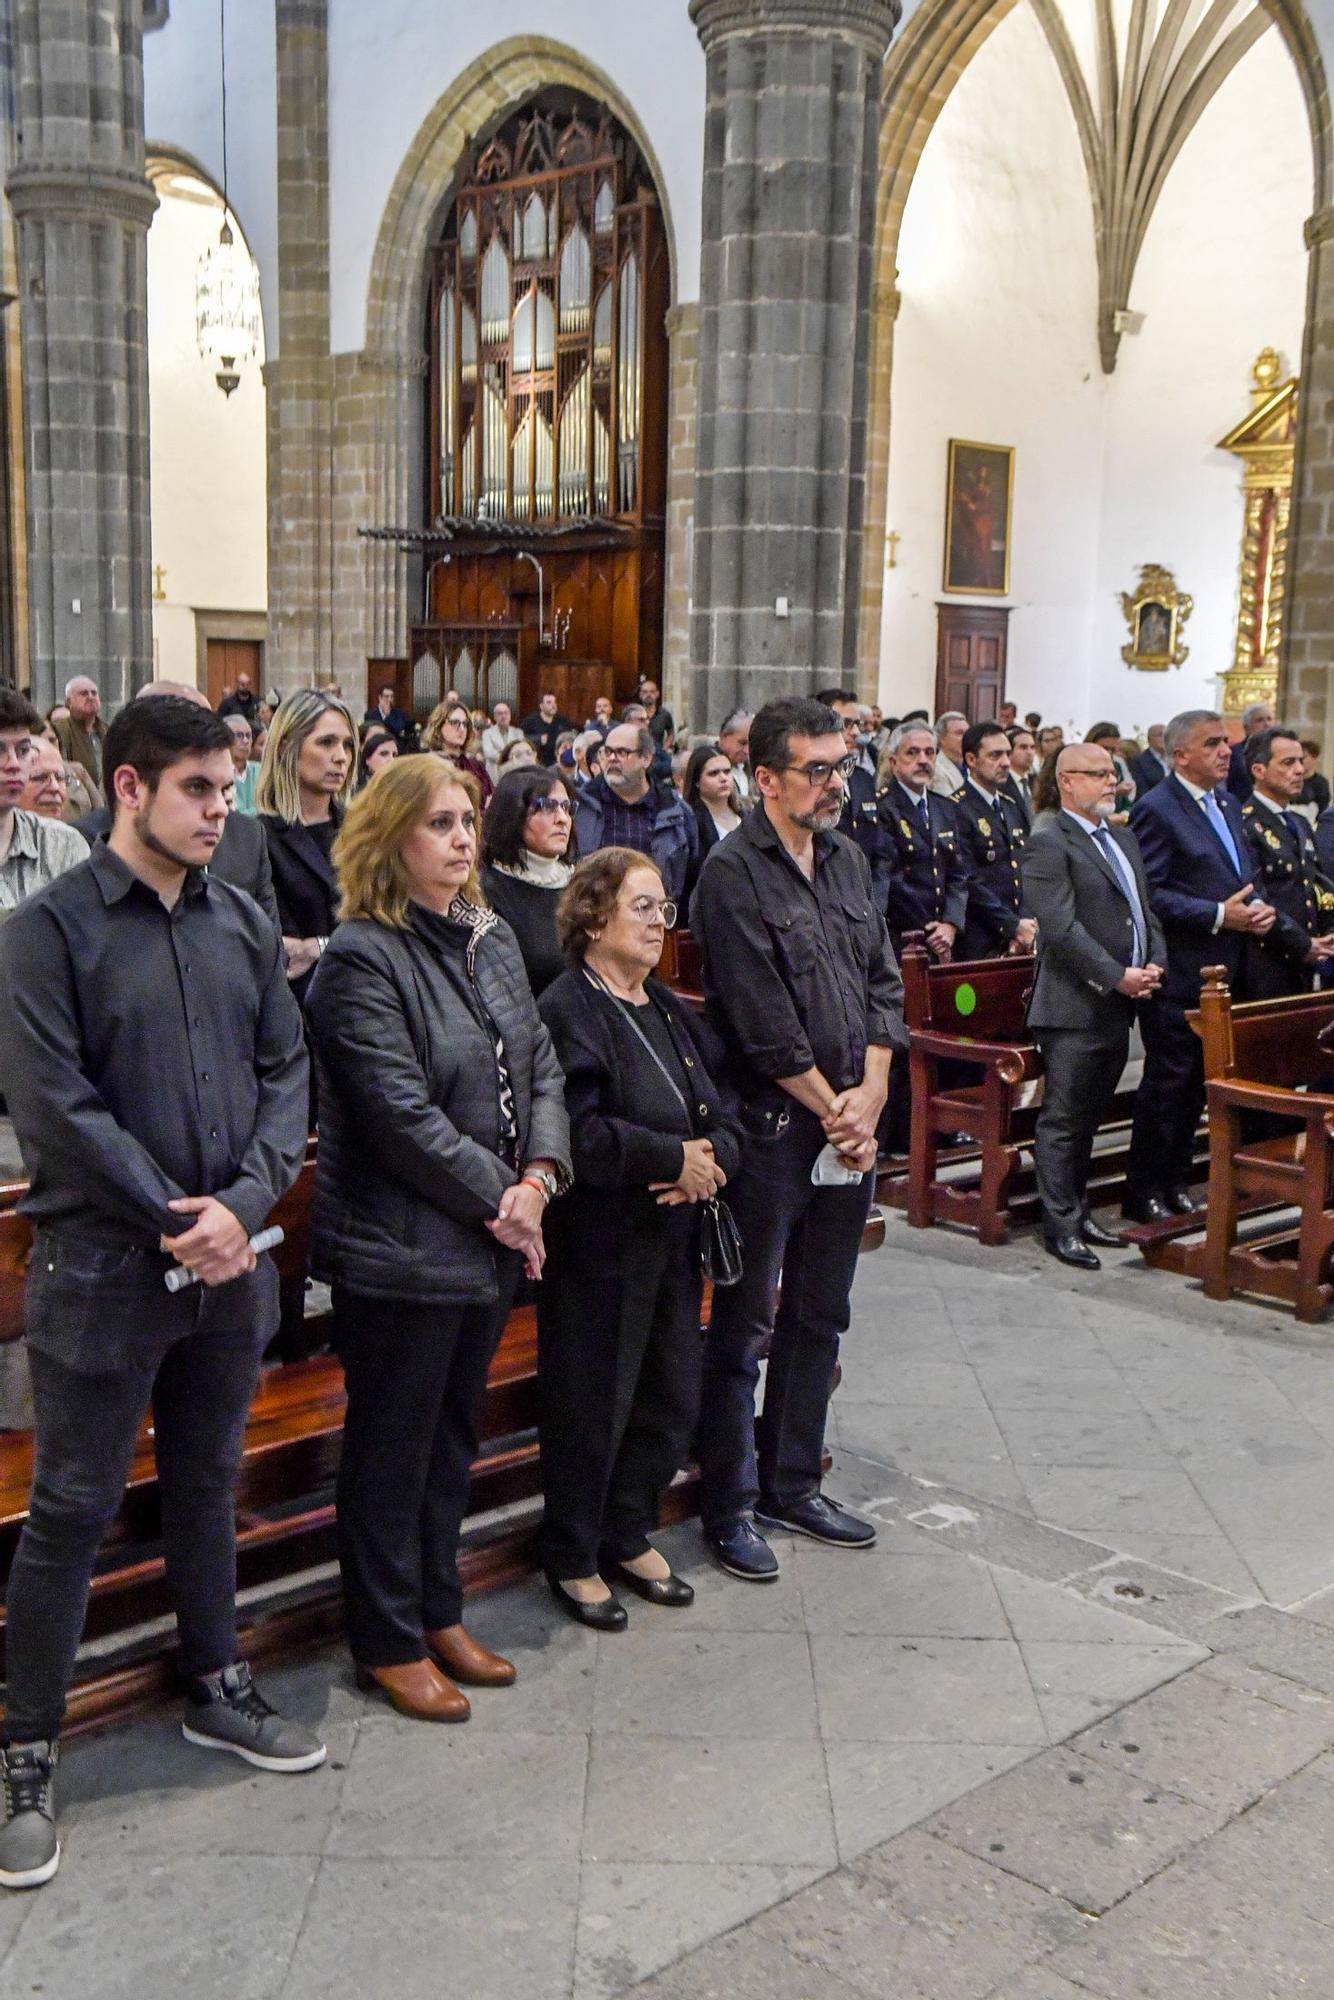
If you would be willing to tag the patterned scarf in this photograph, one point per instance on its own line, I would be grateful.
(473, 919)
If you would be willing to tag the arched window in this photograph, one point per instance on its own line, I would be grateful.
(538, 351)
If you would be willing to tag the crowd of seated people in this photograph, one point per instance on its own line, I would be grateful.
(454, 927)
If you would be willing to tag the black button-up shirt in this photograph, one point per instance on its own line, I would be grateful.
(149, 1053)
(797, 974)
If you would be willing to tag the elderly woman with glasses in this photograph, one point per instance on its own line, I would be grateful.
(652, 1136)
(526, 842)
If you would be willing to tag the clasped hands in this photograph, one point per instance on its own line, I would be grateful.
(517, 1224)
(1241, 914)
(700, 1177)
(1137, 982)
(217, 1247)
(850, 1124)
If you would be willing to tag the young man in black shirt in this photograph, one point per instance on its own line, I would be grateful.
(802, 983)
(157, 1078)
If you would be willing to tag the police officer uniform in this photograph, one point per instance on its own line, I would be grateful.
(928, 881)
(860, 820)
(1287, 875)
(993, 837)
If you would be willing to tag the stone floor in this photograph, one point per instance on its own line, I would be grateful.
(1068, 1731)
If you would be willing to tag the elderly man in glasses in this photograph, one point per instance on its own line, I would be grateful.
(624, 806)
(802, 983)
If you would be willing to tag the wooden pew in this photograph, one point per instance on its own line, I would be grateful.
(972, 1014)
(284, 1502)
(1268, 1057)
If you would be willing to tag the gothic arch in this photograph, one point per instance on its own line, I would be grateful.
(393, 366)
(922, 69)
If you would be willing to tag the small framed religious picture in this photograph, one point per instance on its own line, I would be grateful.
(1155, 612)
(978, 499)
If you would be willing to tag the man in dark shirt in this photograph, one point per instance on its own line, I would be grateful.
(387, 714)
(242, 701)
(801, 982)
(543, 726)
(157, 1078)
(624, 807)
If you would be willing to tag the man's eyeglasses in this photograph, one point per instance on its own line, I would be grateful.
(821, 773)
(550, 806)
(1083, 771)
(648, 909)
(614, 756)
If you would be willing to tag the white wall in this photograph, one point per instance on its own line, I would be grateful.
(996, 340)
(208, 471)
(390, 63)
(183, 109)
(1222, 275)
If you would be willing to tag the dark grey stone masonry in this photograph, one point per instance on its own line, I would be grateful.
(792, 121)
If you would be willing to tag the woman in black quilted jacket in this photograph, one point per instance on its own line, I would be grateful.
(443, 1135)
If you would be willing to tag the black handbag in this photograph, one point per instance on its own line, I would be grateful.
(719, 1243)
(719, 1237)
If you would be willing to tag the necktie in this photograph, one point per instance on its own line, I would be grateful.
(1125, 875)
(1213, 812)
(924, 814)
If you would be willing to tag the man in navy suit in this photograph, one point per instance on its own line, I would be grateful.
(1193, 841)
(1151, 765)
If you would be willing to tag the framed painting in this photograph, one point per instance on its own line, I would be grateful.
(978, 499)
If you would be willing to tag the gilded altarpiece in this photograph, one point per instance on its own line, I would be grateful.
(1264, 442)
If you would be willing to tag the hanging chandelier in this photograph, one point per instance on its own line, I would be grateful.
(227, 317)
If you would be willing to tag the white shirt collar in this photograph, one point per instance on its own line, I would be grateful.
(1079, 820)
(1261, 800)
(1197, 792)
(990, 797)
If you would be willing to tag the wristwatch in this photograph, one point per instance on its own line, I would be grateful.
(543, 1179)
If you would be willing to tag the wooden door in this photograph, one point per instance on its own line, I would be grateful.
(229, 657)
(971, 642)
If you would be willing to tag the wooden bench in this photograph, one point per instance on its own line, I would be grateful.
(285, 1495)
(970, 1016)
(1268, 1058)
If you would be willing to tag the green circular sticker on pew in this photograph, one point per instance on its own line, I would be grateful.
(965, 999)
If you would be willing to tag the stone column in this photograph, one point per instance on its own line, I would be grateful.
(82, 205)
(299, 381)
(1306, 682)
(790, 147)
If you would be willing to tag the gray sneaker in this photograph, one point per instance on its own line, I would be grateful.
(29, 1849)
(226, 1711)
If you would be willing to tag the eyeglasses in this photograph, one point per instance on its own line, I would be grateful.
(610, 754)
(551, 806)
(820, 773)
(1083, 771)
(648, 909)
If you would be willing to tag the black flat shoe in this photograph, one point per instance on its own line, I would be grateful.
(1182, 1202)
(669, 1590)
(1071, 1250)
(1149, 1208)
(607, 1615)
(1102, 1239)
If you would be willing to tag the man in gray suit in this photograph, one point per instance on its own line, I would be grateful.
(1100, 951)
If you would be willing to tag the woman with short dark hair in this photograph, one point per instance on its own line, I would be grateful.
(619, 1349)
(527, 838)
(443, 1136)
(378, 748)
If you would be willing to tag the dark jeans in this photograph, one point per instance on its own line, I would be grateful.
(810, 1238)
(416, 1375)
(1168, 1104)
(196, 1358)
(1082, 1067)
(619, 1354)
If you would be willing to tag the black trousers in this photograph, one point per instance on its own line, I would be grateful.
(416, 1375)
(619, 1353)
(809, 1237)
(1081, 1068)
(1168, 1104)
(195, 1358)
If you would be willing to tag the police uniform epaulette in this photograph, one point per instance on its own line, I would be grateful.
(959, 794)
(1248, 809)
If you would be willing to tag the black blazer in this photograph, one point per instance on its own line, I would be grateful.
(1148, 770)
(304, 882)
(241, 857)
(1085, 924)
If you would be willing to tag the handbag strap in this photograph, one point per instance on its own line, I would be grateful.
(595, 979)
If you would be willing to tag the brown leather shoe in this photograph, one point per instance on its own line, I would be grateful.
(461, 1655)
(419, 1690)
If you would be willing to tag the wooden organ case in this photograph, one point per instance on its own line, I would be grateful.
(548, 420)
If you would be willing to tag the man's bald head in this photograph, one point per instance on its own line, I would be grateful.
(181, 689)
(1086, 780)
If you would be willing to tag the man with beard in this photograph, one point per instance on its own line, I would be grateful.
(624, 806)
(157, 1079)
(801, 982)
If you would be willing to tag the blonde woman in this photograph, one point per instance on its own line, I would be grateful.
(443, 1136)
(305, 781)
(449, 732)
